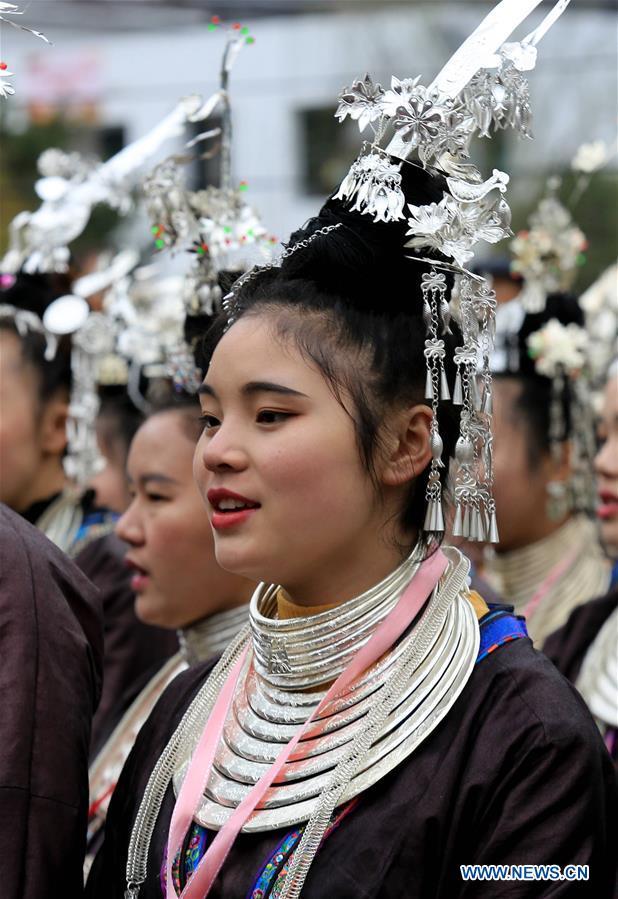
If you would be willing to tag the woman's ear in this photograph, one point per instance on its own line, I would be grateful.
(406, 448)
(558, 464)
(53, 429)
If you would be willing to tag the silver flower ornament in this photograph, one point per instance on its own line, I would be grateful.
(361, 102)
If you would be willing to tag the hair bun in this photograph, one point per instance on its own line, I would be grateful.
(363, 258)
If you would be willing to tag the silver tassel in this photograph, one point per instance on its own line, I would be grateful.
(488, 406)
(429, 386)
(482, 525)
(465, 528)
(444, 391)
(438, 517)
(457, 523)
(434, 519)
(458, 392)
(493, 529)
(475, 395)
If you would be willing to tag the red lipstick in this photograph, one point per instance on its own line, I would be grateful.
(140, 579)
(229, 508)
(608, 506)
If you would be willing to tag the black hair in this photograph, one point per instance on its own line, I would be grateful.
(34, 293)
(533, 402)
(118, 416)
(170, 400)
(352, 303)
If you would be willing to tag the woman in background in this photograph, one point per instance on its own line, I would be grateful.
(177, 582)
(586, 649)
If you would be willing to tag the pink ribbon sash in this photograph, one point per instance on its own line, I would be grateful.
(385, 635)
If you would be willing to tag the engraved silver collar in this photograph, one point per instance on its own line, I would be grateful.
(312, 651)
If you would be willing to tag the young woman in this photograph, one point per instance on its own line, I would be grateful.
(549, 559)
(177, 582)
(585, 649)
(436, 735)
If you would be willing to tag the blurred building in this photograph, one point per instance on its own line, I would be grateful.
(118, 68)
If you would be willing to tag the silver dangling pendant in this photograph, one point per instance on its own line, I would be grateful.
(444, 391)
(457, 523)
(475, 394)
(429, 395)
(458, 392)
(493, 528)
(482, 525)
(477, 531)
(465, 527)
(438, 517)
(488, 406)
(434, 518)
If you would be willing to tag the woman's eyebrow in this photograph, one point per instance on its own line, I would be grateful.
(269, 387)
(144, 479)
(253, 387)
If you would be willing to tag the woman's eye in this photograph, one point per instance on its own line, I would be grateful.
(156, 497)
(270, 417)
(209, 422)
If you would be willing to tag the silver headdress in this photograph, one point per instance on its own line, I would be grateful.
(10, 9)
(481, 89)
(215, 225)
(561, 353)
(69, 188)
(549, 252)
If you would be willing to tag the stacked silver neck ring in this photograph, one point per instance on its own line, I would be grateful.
(209, 637)
(309, 652)
(272, 700)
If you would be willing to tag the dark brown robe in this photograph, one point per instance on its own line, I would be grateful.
(568, 646)
(51, 659)
(132, 649)
(515, 774)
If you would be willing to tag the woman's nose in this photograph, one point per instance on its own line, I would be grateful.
(128, 526)
(221, 451)
(606, 460)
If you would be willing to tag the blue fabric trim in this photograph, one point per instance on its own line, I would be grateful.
(497, 628)
(98, 518)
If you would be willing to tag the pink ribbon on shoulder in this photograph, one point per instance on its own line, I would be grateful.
(397, 621)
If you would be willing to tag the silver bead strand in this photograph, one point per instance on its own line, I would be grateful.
(229, 302)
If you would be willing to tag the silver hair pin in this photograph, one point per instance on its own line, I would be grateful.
(229, 303)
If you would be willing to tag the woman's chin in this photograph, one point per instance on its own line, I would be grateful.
(150, 608)
(242, 560)
(609, 536)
